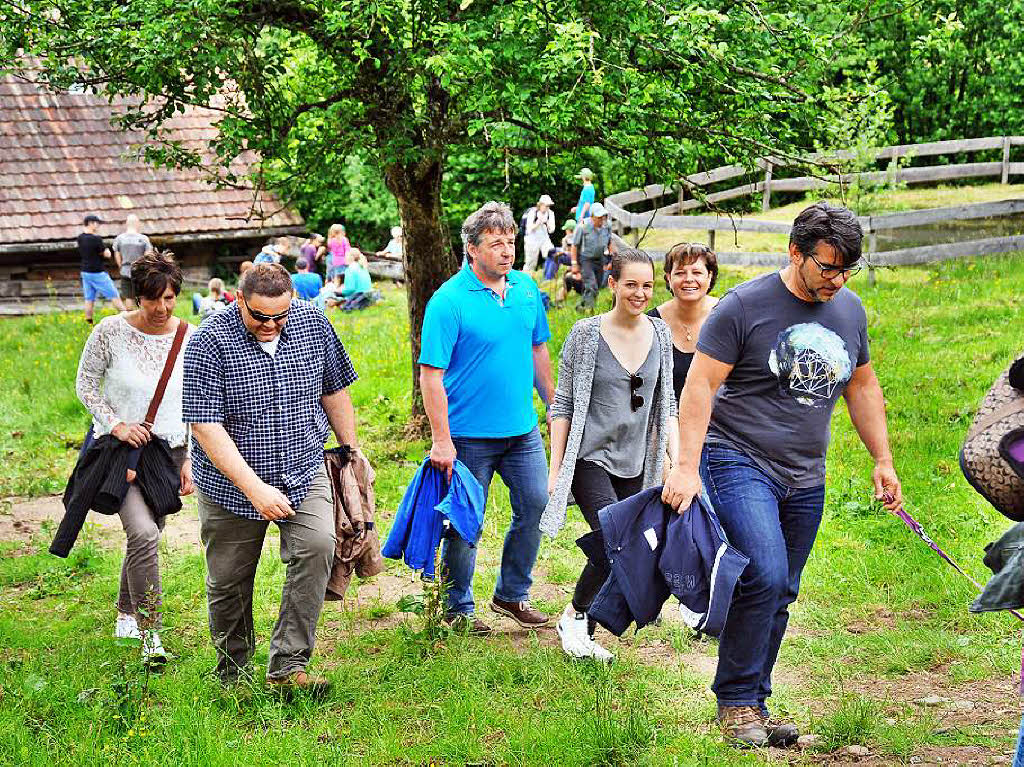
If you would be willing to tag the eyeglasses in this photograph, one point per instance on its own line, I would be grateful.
(830, 271)
(260, 317)
(636, 401)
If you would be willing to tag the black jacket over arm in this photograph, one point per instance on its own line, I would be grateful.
(99, 482)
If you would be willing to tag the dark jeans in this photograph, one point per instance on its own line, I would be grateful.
(522, 465)
(775, 526)
(594, 488)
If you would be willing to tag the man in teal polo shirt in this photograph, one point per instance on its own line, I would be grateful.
(484, 335)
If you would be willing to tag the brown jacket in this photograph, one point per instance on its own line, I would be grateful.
(357, 548)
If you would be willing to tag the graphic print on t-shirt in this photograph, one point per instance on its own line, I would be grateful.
(811, 362)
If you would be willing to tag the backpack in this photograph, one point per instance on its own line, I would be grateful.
(985, 457)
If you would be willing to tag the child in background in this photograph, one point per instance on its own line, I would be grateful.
(313, 251)
(337, 248)
(216, 299)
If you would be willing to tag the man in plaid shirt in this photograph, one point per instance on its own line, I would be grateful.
(264, 380)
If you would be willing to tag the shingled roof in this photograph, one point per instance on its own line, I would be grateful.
(60, 159)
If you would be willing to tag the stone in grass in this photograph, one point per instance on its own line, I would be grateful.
(808, 741)
(932, 700)
(857, 750)
(963, 705)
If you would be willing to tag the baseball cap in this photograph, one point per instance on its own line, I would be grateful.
(597, 210)
(569, 224)
(91, 219)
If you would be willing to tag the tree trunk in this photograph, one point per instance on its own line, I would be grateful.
(428, 258)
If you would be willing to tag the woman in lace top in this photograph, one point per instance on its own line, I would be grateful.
(117, 375)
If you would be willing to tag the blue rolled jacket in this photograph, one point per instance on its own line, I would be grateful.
(428, 502)
(653, 553)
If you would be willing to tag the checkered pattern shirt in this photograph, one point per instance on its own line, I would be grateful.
(270, 406)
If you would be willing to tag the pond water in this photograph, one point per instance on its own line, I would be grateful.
(950, 231)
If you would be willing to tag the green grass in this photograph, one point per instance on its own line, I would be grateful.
(875, 602)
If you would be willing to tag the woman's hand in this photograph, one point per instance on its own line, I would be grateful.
(134, 434)
(187, 488)
(552, 481)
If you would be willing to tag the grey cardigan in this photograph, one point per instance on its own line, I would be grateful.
(572, 401)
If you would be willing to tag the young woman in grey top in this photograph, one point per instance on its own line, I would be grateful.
(613, 420)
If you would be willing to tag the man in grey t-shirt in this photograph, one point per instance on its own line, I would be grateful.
(592, 238)
(129, 247)
(772, 359)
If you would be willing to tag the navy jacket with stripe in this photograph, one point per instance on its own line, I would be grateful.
(653, 553)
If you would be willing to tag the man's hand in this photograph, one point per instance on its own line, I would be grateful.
(681, 488)
(442, 457)
(888, 489)
(134, 434)
(270, 503)
(187, 488)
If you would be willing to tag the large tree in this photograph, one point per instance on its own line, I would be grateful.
(657, 85)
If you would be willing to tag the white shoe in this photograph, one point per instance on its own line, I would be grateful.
(152, 650)
(126, 627)
(599, 653)
(572, 628)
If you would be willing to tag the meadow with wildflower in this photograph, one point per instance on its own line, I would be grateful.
(881, 622)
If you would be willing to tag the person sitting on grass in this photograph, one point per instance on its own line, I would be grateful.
(216, 299)
(357, 290)
(307, 284)
(394, 249)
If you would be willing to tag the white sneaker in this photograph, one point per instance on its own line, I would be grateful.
(599, 653)
(152, 650)
(126, 627)
(572, 629)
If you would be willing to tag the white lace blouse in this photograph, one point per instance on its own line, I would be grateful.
(118, 373)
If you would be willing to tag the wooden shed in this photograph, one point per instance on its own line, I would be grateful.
(62, 158)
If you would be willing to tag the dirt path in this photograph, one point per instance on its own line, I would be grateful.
(989, 708)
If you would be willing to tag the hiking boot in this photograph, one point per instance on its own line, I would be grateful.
(742, 726)
(467, 624)
(521, 612)
(300, 681)
(780, 734)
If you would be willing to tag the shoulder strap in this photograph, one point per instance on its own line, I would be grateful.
(172, 356)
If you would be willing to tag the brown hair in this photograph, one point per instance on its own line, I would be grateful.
(270, 280)
(629, 256)
(154, 273)
(684, 253)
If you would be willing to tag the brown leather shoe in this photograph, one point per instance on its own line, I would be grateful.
(522, 613)
(780, 734)
(300, 681)
(467, 624)
(742, 726)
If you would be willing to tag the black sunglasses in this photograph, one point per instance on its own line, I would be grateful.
(636, 401)
(261, 317)
(830, 272)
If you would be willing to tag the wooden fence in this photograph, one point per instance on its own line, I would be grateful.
(671, 216)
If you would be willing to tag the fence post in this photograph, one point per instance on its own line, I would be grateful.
(872, 248)
(711, 239)
(1006, 159)
(682, 197)
(766, 197)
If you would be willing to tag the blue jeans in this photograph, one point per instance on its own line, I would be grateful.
(775, 526)
(522, 465)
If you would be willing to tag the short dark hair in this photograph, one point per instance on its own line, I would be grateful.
(270, 280)
(629, 256)
(301, 264)
(92, 219)
(684, 253)
(154, 272)
(833, 224)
